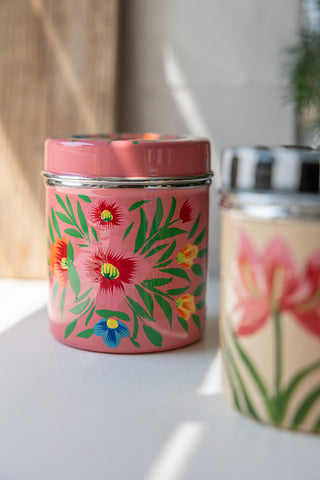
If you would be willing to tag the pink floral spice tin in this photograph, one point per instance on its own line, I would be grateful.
(127, 240)
(270, 299)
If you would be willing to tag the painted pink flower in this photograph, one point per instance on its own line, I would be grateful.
(187, 212)
(265, 284)
(105, 214)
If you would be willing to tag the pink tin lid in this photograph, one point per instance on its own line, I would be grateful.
(128, 156)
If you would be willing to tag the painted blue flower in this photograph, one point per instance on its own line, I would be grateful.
(111, 330)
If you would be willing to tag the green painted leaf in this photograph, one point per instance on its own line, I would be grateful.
(74, 279)
(197, 270)
(177, 272)
(49, 246)
(177, 291)
(200, 237)
(90, 315)
(194, 227)
(165, 233)
(142, 232)
(85, 198)
(50, 230)
(200, 288)
(183, 323)
(149, 243)
(146, 298)
(134, 342)
(201, 304)
(156, 250)
(135, 142)
(83, 221)
(196, 321)
(166, 308)
(157, 217)
(172, 210)
(86, 333)
(316, 427)
(55, 223)
(80, 307)
(153, 336)
(82, 245)
(84, 295)
(138, 204)
(139, 310)
(297, 379)
(70, 207)
(62, 300)
(94, 233)
(54, 291)
(305, 407)
(167, 254)
(126, 233)
(70, 328)
(156, 282)
(202, 253)
(70, 252)
(113, 313)
(135, 327)
(73, 233)
(162, 265)
(64, 218)
(62, 204)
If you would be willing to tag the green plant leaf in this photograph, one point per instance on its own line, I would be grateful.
(64, 218)
(83, 295)
(62, 300)
(305, 407)
(113, 313)
(202, 253)
(166, 308)
(62, 204)
(165, 233)
(184, 324)
(74, 279)
(147, 299)
(128, 230)
(156, 250)
(55, 223)
(80, 307)
(142, 232)
(139, 310)
(197, 269)
(157, 217)
(200, 288)
(94, 233)
(70, 208)
(50, 230)
(159, 292)
(85, 198)
(196, 321)
(156, 282)
(162, 265)
(134, 342)
(54, 291)
(86, 333)
(90, 314)
(172, 210)
(177, 291)
(138, 204)
(295, 382)
(149, 243)
(168, 253)
(135, 327)
(200, 237)
(69, 329)
(153, 336)
(177, 272)
(70, 252)
(200, 305)
(194, 227)
(83, 221)
(73, 233)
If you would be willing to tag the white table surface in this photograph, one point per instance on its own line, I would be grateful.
(70, 414)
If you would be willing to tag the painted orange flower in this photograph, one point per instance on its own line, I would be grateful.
(186, 256)
(59, 261)
(186, 306)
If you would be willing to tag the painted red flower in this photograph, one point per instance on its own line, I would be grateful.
(264, 284)
(59, 261)
(106, 213)
(186, 212)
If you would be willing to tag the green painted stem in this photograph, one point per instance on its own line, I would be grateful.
(278, 347)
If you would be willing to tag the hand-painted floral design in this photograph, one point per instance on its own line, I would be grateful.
(59, 261)
(187, 255)
(187, 212)
(112, 331)
(185, 306)
(105, 214)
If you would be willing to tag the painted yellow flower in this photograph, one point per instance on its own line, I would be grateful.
(186, 256)
(186, 306)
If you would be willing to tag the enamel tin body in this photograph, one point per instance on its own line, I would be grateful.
(270, 298)
(127, 241)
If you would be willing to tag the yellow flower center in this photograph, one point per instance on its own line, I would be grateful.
(181, 257)
(179, 302)
(112, 323)
(109, 271)
(64, 263)
(106, 216)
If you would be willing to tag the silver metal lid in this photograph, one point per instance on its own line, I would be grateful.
(279, 170)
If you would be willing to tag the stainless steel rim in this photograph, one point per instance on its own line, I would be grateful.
(118, 182)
